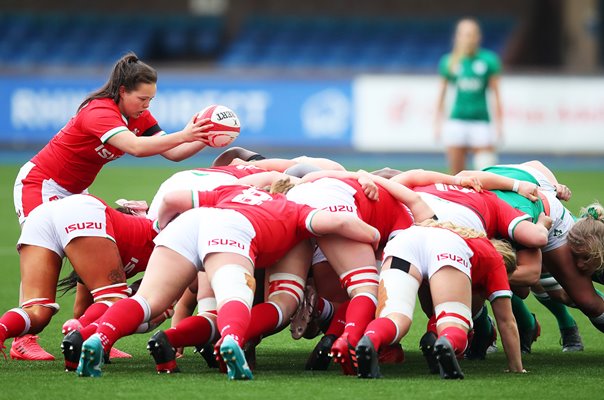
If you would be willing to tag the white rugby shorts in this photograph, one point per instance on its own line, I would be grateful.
(201, 231)
(53, 225)
(472, 134)
(430, 249)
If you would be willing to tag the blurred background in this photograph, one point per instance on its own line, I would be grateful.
(338, 78)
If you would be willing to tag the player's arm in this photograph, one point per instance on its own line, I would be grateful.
(144, 146)
(174, 204)
(532, 235)
(508, 331)
(491, 181)
(497, 106)
(269, 164)
(263, 179)
(528, 270)
(419, 208)
(322, 222)
(420, 177)
(562, 191)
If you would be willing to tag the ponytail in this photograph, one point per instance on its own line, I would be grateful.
(128, 71)
(586, 237)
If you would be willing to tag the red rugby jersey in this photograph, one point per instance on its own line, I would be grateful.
(498, 217)
(76, 154)
(279, 224)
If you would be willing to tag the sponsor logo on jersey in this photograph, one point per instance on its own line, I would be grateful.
(83, 225)
(340, 208)
(131, 265)
(469, 84)
(453, 258)
(479, 67)
(53, 198)
(225, 242)
(105, 153)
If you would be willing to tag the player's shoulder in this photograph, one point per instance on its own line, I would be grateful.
(488, 54)
(103, 105)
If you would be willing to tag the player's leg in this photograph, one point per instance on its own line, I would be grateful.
(40, 269)
(160, 287)
(399, 283)
(451, 294)
(232, 279)
(355, 264)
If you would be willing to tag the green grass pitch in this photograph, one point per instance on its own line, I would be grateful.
(280, 372)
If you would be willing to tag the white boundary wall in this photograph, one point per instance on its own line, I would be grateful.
(541, 114)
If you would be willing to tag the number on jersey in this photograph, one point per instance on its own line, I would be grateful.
(252, 196)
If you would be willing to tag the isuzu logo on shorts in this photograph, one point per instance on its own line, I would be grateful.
(453, 258)
(225, 242)
(83, 225)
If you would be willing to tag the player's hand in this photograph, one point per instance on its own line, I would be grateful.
(369, 187)
(469, 182)
(563, 192)
(528, 190)
(521, 371)
(197, 130)
(545, 221)
(239, 161)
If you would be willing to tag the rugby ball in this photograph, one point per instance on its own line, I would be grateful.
(226, 125)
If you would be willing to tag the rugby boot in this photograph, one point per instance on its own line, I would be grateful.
(91, 359)
(117, 353)
(345, 355)
(234, 357)
(391, 354)
(71, 347)
(571, 339)
(426, 344)
(71, 325)
(367, 359)
(528, 337)
(163, 353)
(320, 357)
(207, 352)
(447, 361)
(27, 348)
(301, 320)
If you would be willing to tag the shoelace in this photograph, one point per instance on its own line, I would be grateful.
(2, 350)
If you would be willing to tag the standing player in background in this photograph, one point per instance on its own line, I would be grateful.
(110, 122)
(472, 70)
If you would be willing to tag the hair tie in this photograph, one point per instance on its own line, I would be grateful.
(592, 212)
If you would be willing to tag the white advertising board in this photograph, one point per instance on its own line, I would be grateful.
(541, 114)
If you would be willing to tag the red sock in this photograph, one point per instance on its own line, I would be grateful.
(338, 322)
(121, 319)
(93, 313)
(381, 331)
(360, 312)
(191, 331)
(458, 338)
(12, 324)
(234, 319)
(89, 330)
(431, 327)
(265, 319)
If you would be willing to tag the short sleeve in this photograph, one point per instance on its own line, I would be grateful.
(494, 64)
(102, 122)
(497, 284)
(443, 66)
(508, 218)
(204, 199)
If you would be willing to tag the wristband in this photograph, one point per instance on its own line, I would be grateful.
(516, 185)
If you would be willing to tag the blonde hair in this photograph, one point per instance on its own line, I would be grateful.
(458, 52)
(464, 232)
(586, 237)
(507, 252)
(281, 186)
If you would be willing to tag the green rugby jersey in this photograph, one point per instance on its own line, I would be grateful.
(471, 79)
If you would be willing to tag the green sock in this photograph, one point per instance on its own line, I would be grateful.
(524, 318)
(565, 320)
(483, 330)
